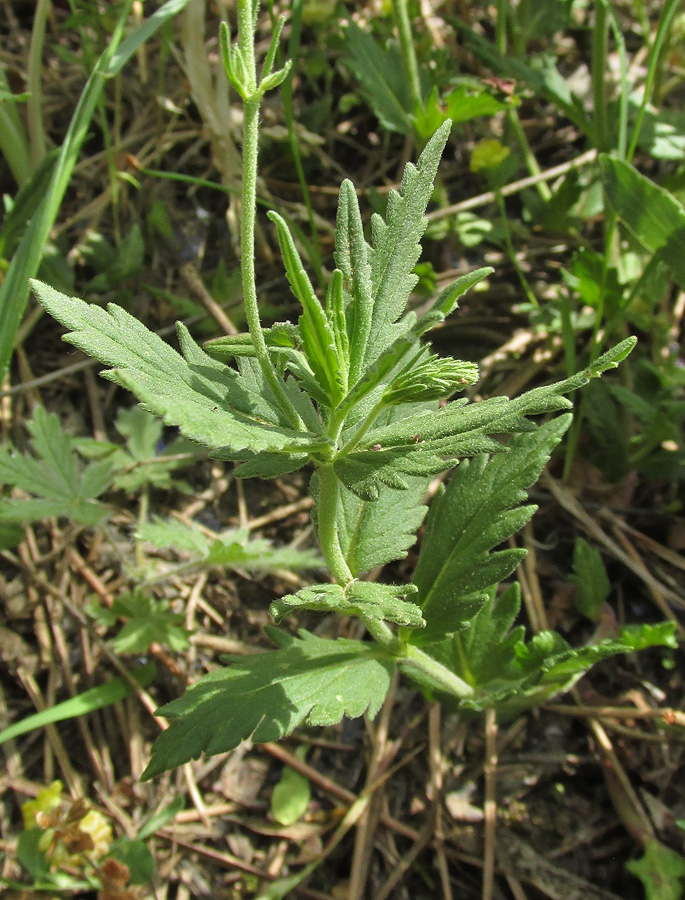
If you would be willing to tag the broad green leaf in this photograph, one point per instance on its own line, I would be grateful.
(648, 211)
(61, 485)
(82, 704)
(591, 579)
(661, 871)
(264, 697)
(209, 402)
(291, 794)
(381, 79)
(481, 505)
(373, 533)
(367, 599)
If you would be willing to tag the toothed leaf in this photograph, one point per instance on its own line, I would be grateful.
(265, 697)
(478, 511)
(61, 485)
(368, 599)
(210, 403)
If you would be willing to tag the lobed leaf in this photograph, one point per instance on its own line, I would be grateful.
(480, 504)
(233, 548)
(210, 403)
(367, 599)
(266, 696)
(62, 486)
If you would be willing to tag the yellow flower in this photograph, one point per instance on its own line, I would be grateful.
(48, 799)
(100, 831)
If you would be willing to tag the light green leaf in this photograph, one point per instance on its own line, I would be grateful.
(149, 621)
(291, 794)
(352, 258)
(234, 549)
(661, 871)
(266, 696)
(396, 243)
(208, 401)
(318, 340)
(648, 211)
(82, 704)
(591, 578)
(62, 485)
(367, 599)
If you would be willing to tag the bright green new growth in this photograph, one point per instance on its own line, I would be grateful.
(353, 391)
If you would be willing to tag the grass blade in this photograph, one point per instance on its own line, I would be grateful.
(90, 700)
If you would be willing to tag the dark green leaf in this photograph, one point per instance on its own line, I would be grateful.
(481, 507)
(268, 695)
(381, 79)
(591, 579)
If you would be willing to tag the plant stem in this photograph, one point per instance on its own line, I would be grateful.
(248, 206)
(445, 680)
(511, 251)
(600, 47)
(327, 511)
(408, 50)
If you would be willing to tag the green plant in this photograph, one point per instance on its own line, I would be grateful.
(353, 391)
(67, 846)
(47, 198)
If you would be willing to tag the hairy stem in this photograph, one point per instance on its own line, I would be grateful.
(415, 660)
(249, 201)
(327, 510)
(408, 50)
